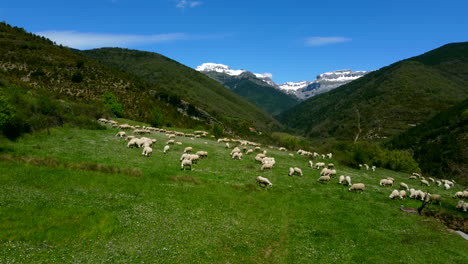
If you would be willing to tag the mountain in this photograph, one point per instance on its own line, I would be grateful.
(184, 96)
(257, 88)
(325, 82)
(386, 102)
(440, 145)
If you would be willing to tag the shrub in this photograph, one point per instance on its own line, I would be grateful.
(110, 102)
(156, 118)
(217, 131)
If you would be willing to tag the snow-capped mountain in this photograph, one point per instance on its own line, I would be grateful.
(304, 89)
(325, 82)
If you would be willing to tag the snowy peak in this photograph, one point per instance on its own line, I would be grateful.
(293, 85)
(340, 76)
(215, 67)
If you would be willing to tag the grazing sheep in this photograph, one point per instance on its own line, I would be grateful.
(147, 151)
(348, 180)
(236, 149)
(341, 179)
(202, 154)
(412, 177)
(412, 193)
(394, 194)
(325, 178)
(366, 166)
(295, 170)
(193, 157)
(186, 163)
(386, 182)
(120, 134)
(439, 183)
(128, 138)
(319, 165)
(311, 164)
(357, 187)
(402, 194)
(462, 205)
(282, 149)
(446, 186)
(463, 194)
(416, 174)
(329, 155)
(291, 155)
(373, 168)
(170, 142)
(132, 143)
(266, 166)
(237, 155)
(259, 157)
(325, 171)
(188, 150)
(249, 151)
(331, 165)
(424, 182)
(263, 181)
(404, 185)
(434, 198)
(166, 149)
(227, 145)
(431, 179)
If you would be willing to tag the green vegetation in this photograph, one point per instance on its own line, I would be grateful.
(174, 80)
(440, 145)
(110, 102)
(389, 101)
(70, 196)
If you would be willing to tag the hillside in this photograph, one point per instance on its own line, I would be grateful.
(66, 196)
(178, 80)
(35, 65)
(389, 101)
(440, 145)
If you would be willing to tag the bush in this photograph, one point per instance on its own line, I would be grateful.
(156, 118)
(110, 102)
(217, 131)
(77, 78)
(6, 112)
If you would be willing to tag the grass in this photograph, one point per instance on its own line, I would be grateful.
(54, 212)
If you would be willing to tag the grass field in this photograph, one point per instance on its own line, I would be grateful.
(82, 196)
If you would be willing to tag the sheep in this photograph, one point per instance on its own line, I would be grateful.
(431, 179)
(186, 163)
(404, 185)
(249, 151)
(348, 180)
(394, 194)
(202, 154)
(120, 134)
(412, 177)
(193, 157)
(323, 156)
(236, 149)
(385, 182)
(266, 166)
(325, 178)
(373, 168)
(166, 149)
(357, 187)
(463, 194)
(341, 179)
(446, 186)
(295, 170)
(325, 171)
(170, 142)
(433, 198)
(269, 160)
(291, 155)
(424, 182)
(133, 142)
(439, 183)
(319, 165)
(329, 155)
(462, 205)
(259, 157)
(402, 194)
(366, 166)
(311, 164)
(263, 181)
(416, 174)
(128, 138)
(188, 150)
(282, 149)
(227, 145)
(412, 193)
(147, 150)
(237, 155)
(331, 165)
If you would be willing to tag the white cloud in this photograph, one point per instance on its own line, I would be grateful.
(184, 4)
(321, 41)
(83, 40)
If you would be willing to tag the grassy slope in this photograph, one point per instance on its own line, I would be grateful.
(213, 214)
(188, 84)
(388, 100)
(265, 96)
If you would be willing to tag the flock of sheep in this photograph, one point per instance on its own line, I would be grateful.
(244, 148)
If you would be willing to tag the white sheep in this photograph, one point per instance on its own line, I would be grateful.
(295, 170)
(366, 166)
(394, 194)
(128, 138)
(373, 168)
(319, 165)
(412, 177)
(133, 142)
(404, 185)
(236, 149)
(431, 179)
(341, 179)
(348, 180)
(249, 151)
(402, 194)
(291, 155)
(237, 155)
(147, 150)
(202, 154)
(311, 164)
(269, 160)
(186, 163)
(433, 198)
(267, 166)
(325, 178)
(227, 145)
(166, 149)
(282, 149)
(462, 205)
(357, 187)
(416, 174)
(170, 142)
(329, 155)
(425, 182)
(263, 181)
(439, 183)
(446, 186)
(385, 182)
(188, 150)
(120, 134)
(463, 194)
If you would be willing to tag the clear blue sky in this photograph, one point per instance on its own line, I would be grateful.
(293, 40)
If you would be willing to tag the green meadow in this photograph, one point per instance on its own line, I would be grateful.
(72, 195)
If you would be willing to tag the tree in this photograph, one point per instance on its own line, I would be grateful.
(217, 131)
(110, 102)
(156, 118)
(6, 113)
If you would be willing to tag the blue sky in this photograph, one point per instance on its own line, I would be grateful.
(293, 40)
